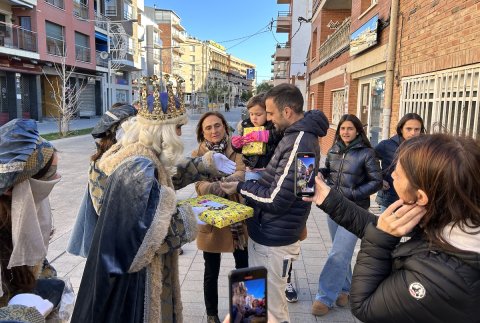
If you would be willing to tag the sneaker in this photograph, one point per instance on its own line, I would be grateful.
(48, 271)
(342, 300)
(319, 309)
(213, 319)
(291, 293)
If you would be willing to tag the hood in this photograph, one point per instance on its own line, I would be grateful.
(314, 121)
(398, 140)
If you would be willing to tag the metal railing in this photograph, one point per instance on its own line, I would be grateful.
(82, 53)
(101, 61)
(101, 21)
(13, 36)
(284, 14)
(283, 45)
(80, 10)
(57, 3)
(336, 42)
(55, 46)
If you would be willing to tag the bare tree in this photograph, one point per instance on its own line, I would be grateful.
(64, 93)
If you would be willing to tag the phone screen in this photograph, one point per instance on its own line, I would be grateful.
(305, 173)
(248, 291)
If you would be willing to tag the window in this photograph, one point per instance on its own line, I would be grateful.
(448, 101)
(338, 105)
(314, 45)
(192, 48)
(127, 11)
(82, 47)
(80, 8)
(365, 5)
(192, 58)
(57, 3)
(55, 39)
(111, 8)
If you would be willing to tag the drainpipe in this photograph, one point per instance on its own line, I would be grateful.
(389, 75)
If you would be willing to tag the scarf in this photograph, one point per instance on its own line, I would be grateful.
(220, 147)
(238, 235)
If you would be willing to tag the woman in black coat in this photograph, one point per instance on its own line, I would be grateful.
(435, 275)
(352, 169)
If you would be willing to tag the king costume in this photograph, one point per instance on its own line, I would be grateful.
(131, 273)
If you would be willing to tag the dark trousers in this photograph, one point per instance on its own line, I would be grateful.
(210, 276)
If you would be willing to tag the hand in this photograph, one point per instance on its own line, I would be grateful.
(321, 191)
(257, 136)
(223, 164)
(215, 189)
(400, 222)
(197, 210)
(238, 141)
(386, 186)
(229, 187)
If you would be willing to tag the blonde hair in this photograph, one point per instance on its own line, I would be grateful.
(160, 137)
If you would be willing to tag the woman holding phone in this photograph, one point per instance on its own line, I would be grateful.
(352, 169)
(435, 275)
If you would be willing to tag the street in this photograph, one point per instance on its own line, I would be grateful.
(66, 197)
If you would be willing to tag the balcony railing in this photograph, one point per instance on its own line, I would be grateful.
(336, 43)
(13, 36)
(100, 61)
(57, 3)
(55, 46)
(80, 10)
(82, 53)
(101, 21)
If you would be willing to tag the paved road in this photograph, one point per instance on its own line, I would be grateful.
(65, 200)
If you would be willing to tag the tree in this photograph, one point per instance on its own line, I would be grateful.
(264, 87)
(246, 95)
(64, 93)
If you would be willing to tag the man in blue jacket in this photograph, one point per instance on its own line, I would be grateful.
(280, 216)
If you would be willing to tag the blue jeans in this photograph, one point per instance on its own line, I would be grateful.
(336, 276)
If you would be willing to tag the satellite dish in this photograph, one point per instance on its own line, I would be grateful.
(103, 55)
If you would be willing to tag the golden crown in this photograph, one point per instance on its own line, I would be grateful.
(151, 107)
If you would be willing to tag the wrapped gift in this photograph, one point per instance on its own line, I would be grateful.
(254, 148)
(221, 212)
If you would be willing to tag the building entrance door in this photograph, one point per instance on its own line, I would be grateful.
(370, 105)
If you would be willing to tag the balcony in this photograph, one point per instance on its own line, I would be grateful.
(179, 50)
(179, 36)
(283, 52)
(15, 37)
(336, 43)
(334, 4)
(82, 54)
(55, 46)
(284, 1)
(56, 3)
(80, 10)
(100, 61)
(177, 25)
(284, 22)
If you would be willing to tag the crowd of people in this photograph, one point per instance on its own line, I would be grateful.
(131, 229)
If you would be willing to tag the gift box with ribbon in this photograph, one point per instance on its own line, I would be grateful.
(253, 148)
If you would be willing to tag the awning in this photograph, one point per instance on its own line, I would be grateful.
(101, 36)
(22, 3)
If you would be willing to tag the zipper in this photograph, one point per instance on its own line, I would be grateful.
(340, 171)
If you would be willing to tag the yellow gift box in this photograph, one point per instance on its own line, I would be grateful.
(254, 148)
(221, 212)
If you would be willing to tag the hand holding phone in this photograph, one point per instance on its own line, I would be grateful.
(248, 295)
(305, 172)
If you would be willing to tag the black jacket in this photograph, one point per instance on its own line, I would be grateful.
(407, 282)
(386, 151)
(279, 215)
(354, 171)
(261, 161)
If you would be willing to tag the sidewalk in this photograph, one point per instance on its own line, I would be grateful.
(51, 126)
(65, 199)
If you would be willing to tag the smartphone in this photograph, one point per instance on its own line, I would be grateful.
(248, 295)
(305, 171)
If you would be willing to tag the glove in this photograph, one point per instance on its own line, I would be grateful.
(257, 136)
(238, 141)
(223, 164)
(215, 189)
(197, 210)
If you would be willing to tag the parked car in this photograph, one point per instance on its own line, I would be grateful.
(241, 104)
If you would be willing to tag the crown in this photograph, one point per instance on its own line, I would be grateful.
(161, 106)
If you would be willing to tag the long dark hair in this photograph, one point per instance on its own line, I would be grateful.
(199, 131)
(447, 169)
(103, 145)
(358, 126)
(18, 279)
(407, 117)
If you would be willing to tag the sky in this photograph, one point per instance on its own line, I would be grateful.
(224, 20)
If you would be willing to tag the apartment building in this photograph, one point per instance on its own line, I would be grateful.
(289, 59)
(347, 63)
(173, 37)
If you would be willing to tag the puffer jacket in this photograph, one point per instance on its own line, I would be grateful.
(279, 215)
(386, 151)
(354, 171)
(260, 161)
(412, 281)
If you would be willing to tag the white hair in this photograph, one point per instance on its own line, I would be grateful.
(161, 137)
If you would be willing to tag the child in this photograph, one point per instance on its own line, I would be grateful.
(258, 117)
(257, 163)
